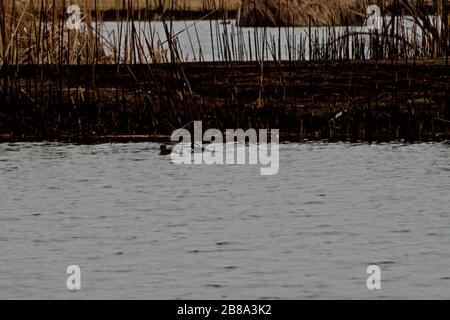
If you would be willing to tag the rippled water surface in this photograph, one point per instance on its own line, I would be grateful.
(142, 227)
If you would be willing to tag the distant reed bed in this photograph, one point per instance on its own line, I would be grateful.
(40, 36)
(36, 32)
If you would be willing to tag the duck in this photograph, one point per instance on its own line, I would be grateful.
(164, 151)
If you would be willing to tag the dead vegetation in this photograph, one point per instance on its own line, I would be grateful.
(27, 37)
(302, 12)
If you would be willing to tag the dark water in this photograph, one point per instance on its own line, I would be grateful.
(141, 227)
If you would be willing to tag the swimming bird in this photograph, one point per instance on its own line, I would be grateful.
(164, 151)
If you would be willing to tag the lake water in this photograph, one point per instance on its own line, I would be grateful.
(142, 227)
(209, 40)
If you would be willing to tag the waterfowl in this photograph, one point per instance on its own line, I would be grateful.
(164, 151)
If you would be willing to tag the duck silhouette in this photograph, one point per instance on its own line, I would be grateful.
(164, 151)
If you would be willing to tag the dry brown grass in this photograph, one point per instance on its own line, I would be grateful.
(177, 5)
(302, 12)
(30, 38)
(33, 34)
